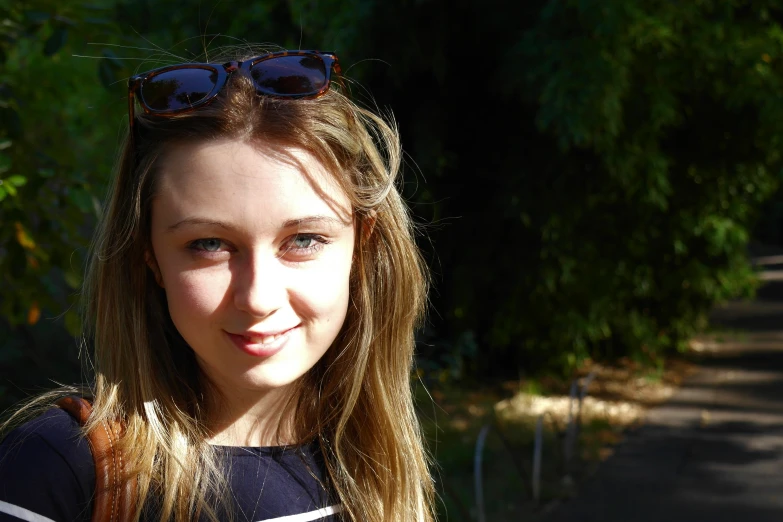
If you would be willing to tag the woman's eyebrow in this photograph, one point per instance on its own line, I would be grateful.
(191, 221)
(297, 222)
(316, 220)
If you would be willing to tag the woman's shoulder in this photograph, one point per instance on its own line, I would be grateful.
(54, 427)
(46, 469)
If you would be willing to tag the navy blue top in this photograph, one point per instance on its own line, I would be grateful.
(47, 473)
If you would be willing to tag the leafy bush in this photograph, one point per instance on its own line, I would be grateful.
(587, 172)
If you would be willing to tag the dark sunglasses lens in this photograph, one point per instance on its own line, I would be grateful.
(178, 89)
(290, 75)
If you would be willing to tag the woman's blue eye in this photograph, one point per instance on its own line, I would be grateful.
(305, 244)
(303, 241)
(209, 244)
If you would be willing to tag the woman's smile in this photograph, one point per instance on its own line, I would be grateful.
(262, 344)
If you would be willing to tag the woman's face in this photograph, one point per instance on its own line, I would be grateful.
(254, 252)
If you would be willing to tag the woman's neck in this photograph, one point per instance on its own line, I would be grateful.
(251, 418)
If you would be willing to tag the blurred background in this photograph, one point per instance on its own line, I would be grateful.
(590, 179)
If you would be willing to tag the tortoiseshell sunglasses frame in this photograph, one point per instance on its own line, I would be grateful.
(224, 71)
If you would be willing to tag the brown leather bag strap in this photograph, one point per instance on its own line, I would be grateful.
(115, 494)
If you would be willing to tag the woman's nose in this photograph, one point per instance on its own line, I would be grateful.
(259, 286)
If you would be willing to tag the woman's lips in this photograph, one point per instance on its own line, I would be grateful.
(261, 345)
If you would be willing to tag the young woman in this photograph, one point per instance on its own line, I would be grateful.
(252, 297)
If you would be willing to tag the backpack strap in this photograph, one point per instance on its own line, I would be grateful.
(115, 496)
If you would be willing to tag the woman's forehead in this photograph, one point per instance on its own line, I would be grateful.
(240, 180)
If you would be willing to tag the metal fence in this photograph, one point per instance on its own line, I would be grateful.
(570, 440)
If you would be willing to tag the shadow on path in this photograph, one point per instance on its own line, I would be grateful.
(714, 452)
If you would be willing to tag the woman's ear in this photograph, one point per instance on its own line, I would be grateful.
(152, 263)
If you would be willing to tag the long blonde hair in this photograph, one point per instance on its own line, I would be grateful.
(356, 401)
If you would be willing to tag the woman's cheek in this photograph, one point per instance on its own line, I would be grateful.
(198, 293)
(328, 287)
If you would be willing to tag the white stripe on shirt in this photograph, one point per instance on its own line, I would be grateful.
(29, 516)
(306, 517)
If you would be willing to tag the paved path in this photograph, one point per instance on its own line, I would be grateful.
(714, 452)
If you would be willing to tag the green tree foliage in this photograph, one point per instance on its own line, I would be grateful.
(587, 172)
(626, 209)
(54, 160)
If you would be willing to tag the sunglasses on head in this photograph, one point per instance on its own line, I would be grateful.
(181, 88)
